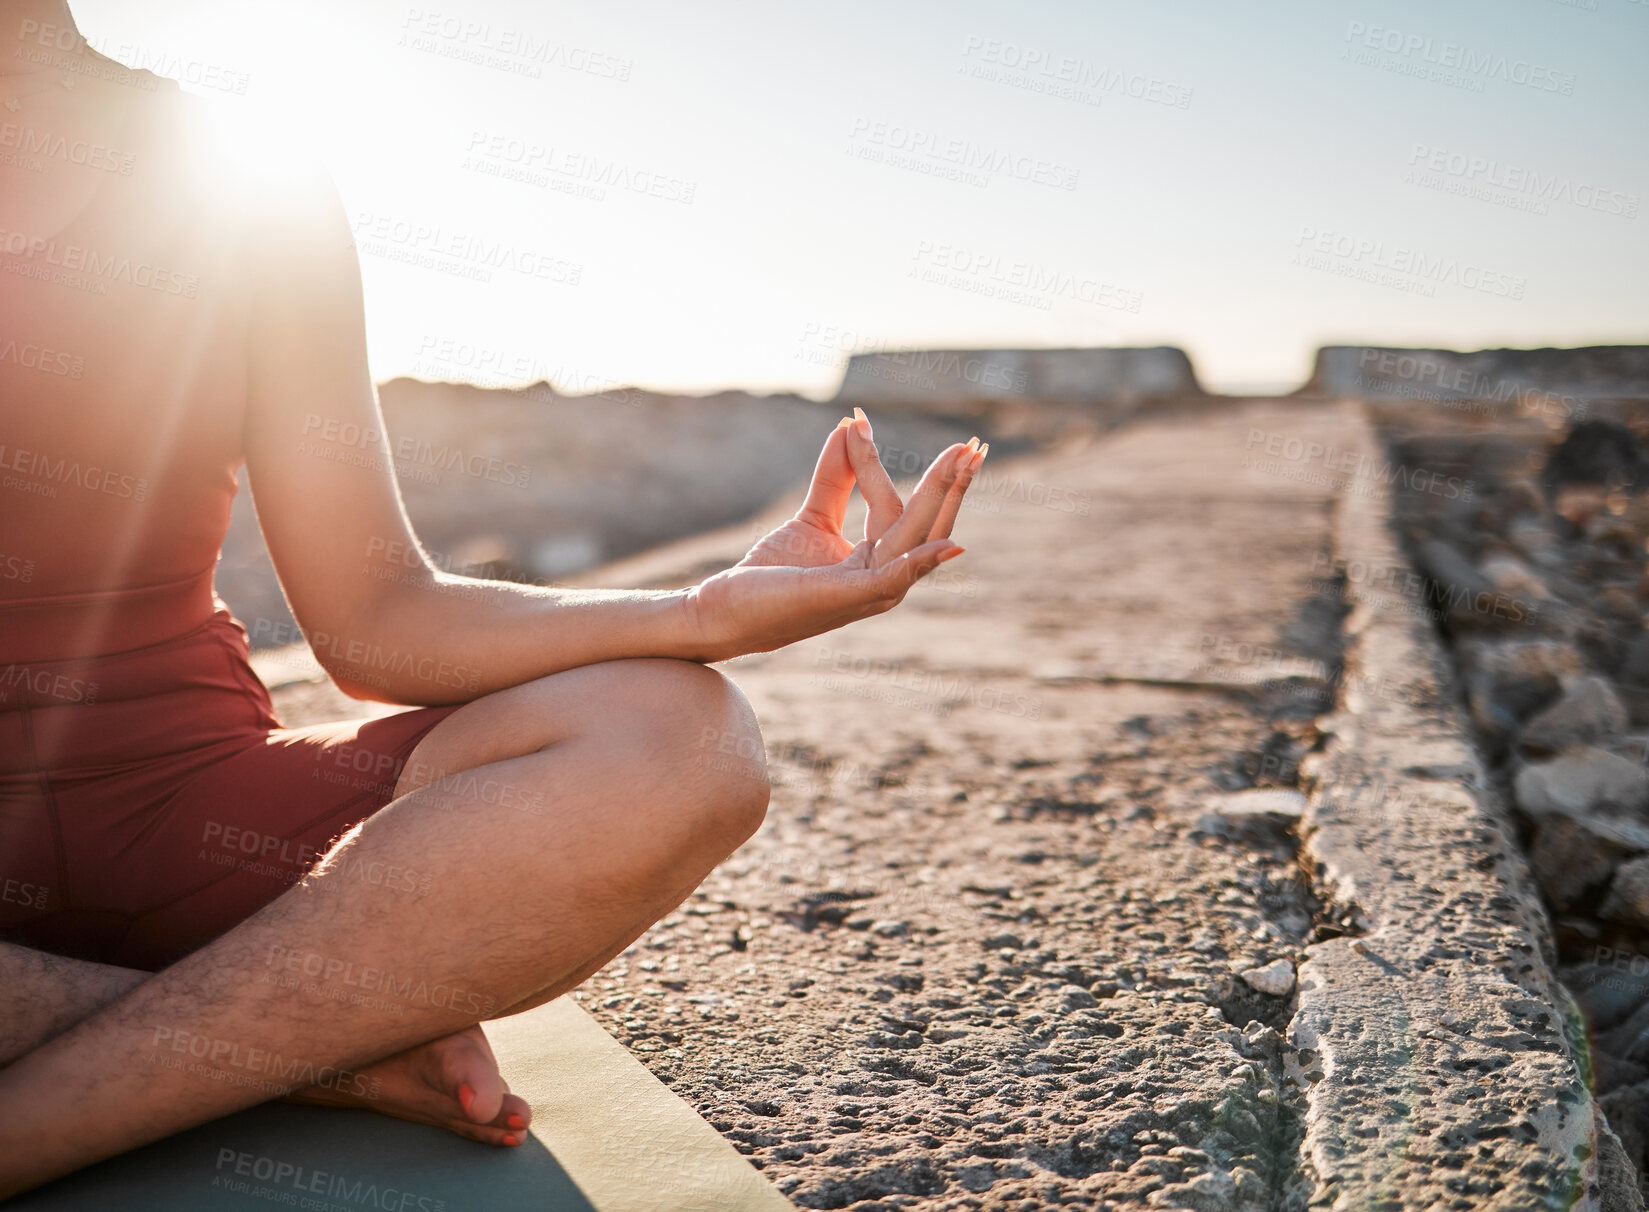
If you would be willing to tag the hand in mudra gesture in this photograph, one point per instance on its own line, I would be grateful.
(806, 577)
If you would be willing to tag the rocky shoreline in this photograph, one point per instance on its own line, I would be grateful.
(1533, 562)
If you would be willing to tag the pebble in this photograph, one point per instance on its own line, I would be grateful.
(1589, 711)
(1274, 979)
(1571, 860)
(1263, 801)
(1628, 899)
(1579, 781)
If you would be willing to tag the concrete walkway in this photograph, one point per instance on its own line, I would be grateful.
(1024, 924)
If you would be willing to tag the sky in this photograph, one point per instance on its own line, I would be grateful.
(689, 197)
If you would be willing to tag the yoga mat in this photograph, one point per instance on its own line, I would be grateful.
(606, 1136)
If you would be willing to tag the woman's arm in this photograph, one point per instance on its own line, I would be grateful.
(388, 626)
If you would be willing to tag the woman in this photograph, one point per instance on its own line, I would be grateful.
(175, 867)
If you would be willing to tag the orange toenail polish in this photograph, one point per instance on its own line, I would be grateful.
(515, 1121)
(466, 1096)
(510, 1140)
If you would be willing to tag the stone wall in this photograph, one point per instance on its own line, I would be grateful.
(534, 486)
(1551, 376)
(941, 378)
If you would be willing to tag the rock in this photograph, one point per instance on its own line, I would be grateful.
(1513, 577)
(1611, 1073)
(1628, 1112)
(1571, 860)
(1500, 702)
(1003, 942)
(1588, 711)
(890, 929)
(1581, 780)
(1596, 452)
(1630, 1040)
(1212, 1191)
(1525, 657)
(1633, 677)
(1620, 1120)
(1275, 979)
(1264, 801)
(1608, 992)
(1459, 587)
(1628, 899)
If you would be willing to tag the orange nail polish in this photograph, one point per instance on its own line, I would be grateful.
(511, 1140)
(466, 1097)
(515, 1121)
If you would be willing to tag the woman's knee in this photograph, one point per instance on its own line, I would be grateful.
(698, 724)
(689, 718)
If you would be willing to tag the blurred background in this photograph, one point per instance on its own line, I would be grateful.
(643, 204)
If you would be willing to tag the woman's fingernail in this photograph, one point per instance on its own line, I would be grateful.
(466, 1097)
(863, 421)
(985, 449)
(510, 1139)
(978, 458)
(952, 554)
(844, 422)
(515, 1121)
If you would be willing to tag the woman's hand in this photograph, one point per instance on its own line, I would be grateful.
(806, 577)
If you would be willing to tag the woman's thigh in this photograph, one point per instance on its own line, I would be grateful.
(642, 703)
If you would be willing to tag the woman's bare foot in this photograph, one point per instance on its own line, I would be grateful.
(452, 1082)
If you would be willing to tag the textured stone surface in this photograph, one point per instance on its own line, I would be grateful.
(1589, 711)
(1395, 1030)
(1580, 781)
(1628, 900)
(981, 955)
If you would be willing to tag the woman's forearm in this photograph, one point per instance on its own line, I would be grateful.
(431, 638)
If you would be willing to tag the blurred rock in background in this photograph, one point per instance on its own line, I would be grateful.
(533, 486)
